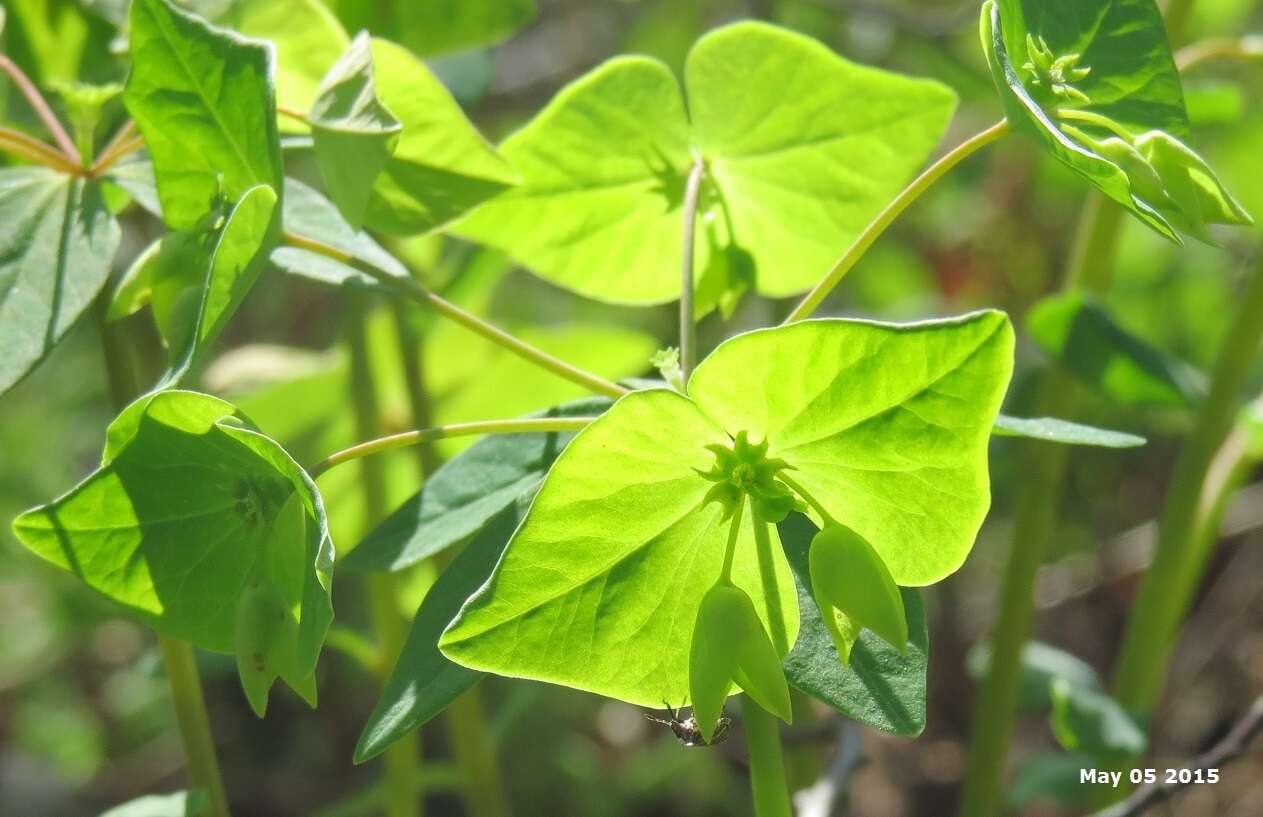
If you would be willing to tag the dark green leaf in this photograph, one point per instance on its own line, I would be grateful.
(1091, 722)
(1053, 430)
(424, 681)
(189, 508)
(1083, 337)
(880, 688)
(1050, 777)
(57, 240)
(1042, 665)
(466, 492)
(203, 99)
(355, 134)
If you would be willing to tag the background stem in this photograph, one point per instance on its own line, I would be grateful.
(688, 326)
(402, 759)
(767, 765)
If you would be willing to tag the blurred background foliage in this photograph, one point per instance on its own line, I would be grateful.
(85, 721)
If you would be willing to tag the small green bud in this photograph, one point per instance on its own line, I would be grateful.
(744, 469)
(265, 640)
(854, 590)
(731, 647)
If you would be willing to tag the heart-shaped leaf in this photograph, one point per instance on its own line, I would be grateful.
(203, 99)
(191, 507)
(782, 125)
(57, 241)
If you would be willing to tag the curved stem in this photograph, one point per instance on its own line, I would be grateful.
(414, 291)
(767, 762)
(190, 712)
(808, 498)
(124, 143)
(40, 106)
(32, 149)
(291, 113)
(688, 326)
(887, 216)
(1217, 48)
(1090, 118)
(406, 438)
(730, 550)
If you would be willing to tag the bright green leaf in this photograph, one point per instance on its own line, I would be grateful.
(849, 580)
(203, 99)
(442, 26)
(784, 126)
(424, 681)
(355, 134)
(1080, 335)
(1092, 723)
(308, 39)
(1053, 430)
(465, 492)
(880, 687)
(190, 507)
(57, 241)
(441, 166)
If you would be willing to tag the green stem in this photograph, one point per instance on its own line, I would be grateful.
(1090, 118)
(190, 712)
(1035, 515)
(808, 498)
(177, 656)
(688, 327)
(730, 550)
(402, 759)
(40, 106)
(1166, 591)
(1249, 47)
(767, 762)
(412, 362)
(32, 149)
(407, 438)
(414, 291)
(892, 211)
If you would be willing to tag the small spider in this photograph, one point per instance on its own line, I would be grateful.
(687, 730)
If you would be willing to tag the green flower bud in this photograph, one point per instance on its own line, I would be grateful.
(730, 647)
(744, 469)
(266, 630)
(1191, 184)
(854, 590)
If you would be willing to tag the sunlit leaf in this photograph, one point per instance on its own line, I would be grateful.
(1054, 430)
(57, 241)
(308, 39)
(783, 125)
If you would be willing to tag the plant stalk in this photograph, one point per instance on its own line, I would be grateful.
(178, 658)
(416, 292)
(886, 217)
(1167, 588)
(42, 110)
(32, 149)
(767, 763)
(688, 326)
(402, 760)
(423, 435)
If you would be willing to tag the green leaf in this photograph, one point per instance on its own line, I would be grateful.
(309, 214)
(1095, 83)
(203, 99)
(240, 254)
(134, 288)
(441, 166)
(308, 40)
(1051, 777)
(57, 240)
(355, 134)
(781, 122)
(424, 681)
(1091, 722)
(1042, 666)
(466, 492)
(441, 26)
(600, 587)
(190, 507)
(1082, 336)
(1054, 430)
(881, 687)
(886, 424)
(179, 804)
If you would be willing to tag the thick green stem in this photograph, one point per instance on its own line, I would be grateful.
(177, 656)
(730, 550)
(767, 762)
(412, 290)
(412, 362)
(190, 712)
(887, 216)
(1035, 515)
(1167, 589)
(402, 760)
(688, 326)
(422, 435)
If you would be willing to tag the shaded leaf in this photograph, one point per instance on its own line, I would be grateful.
(57, 240)
(1054, 430)
(880, 687)
(1051, 777)
(203, 99)
(1092, 723)
(1042, 666)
